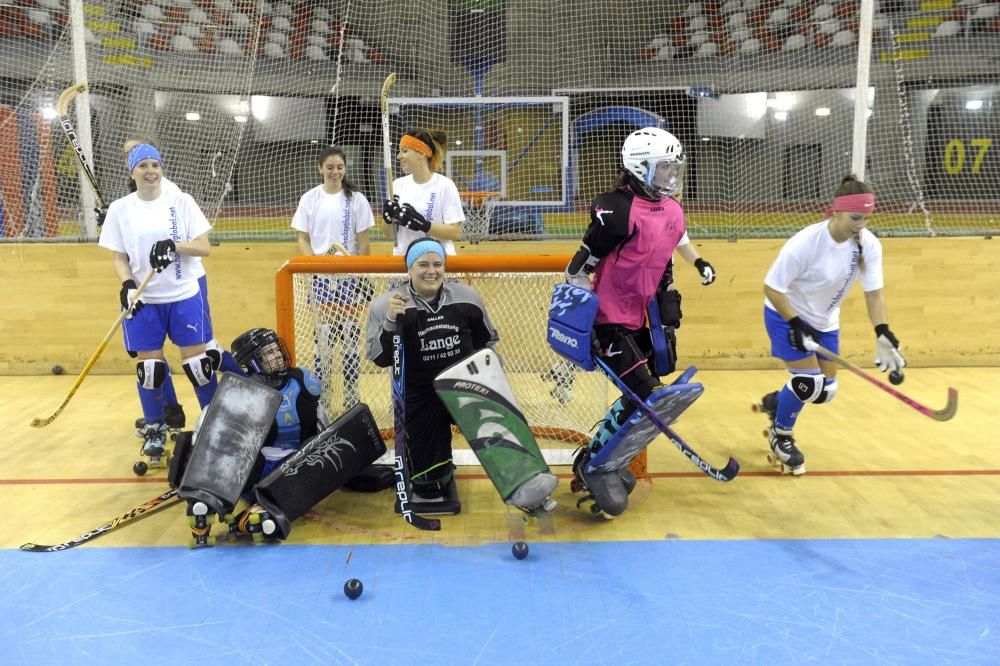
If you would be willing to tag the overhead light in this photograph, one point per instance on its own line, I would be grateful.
(705, 138)
(313, 140)
(974, 105)
(49, 113)
(192, 115)
(458, 142)
(240, 119)
(781, 115)
(822, 111)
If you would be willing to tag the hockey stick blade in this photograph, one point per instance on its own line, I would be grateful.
(945, 414)
(152, 506)
(726, 474)
(399, 435)
(62, 108)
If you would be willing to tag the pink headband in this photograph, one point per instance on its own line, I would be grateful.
(854, 203)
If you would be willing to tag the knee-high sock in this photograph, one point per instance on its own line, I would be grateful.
(168, 392)
(207, 392)
(789, 405)
(152, 403)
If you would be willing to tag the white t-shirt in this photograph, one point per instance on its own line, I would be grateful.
(437, 200)
(332, 218)
(133, 226)
(815, 273)
(169, 188)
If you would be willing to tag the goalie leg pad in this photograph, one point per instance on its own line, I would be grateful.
(479, 398)
(608, 491)
(183, 446)
(572, 312)
(664, 341)
(668, 403)
(235, 425)
(152, 373)
(323, 464)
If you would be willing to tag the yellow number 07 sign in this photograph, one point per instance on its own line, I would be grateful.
(954, 154)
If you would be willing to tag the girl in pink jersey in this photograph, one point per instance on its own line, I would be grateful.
(633, 232)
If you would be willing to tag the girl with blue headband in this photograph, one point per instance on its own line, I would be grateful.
(441, 323)
(160, 231)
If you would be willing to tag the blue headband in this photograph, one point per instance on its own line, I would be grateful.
(143, 151)
(422, 247)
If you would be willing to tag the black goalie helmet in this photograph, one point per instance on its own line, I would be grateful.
(260, 351)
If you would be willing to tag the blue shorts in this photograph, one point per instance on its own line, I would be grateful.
(777, 330)
(203, 285)
(184, 321)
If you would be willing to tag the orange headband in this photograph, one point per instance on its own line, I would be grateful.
(413, 143)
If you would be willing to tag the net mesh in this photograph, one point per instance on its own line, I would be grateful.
(241, 94)
(327, 315)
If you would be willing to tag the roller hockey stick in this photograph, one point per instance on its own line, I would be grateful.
(336, 249)
(937, 414)
(727, 473)
(62, 108)
(386, 139)
(40, 422)
(399, 426)
(152, 506)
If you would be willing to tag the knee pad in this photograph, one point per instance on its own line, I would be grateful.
(199, 369)
(152, 372)
(806, 388)
(829, 391)
(214, 351)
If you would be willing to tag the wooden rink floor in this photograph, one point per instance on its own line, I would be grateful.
(886, 551)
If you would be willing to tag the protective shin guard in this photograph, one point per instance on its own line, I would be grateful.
(789, 408)
(152, 403)
(323, 464)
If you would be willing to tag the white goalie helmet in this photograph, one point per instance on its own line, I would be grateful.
(656, 159)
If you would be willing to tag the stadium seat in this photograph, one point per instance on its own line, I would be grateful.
(40, 17)
(737, 20)
(228, 46)
(659, 41)
(822, 12)
(828, 27)
(320, 27)
(698, 38)
(277, 37)
(190, 30)
(282, 9)
(198, 15)
(51, 4)
(224, 5)
(144, 28)
(316, 40)
(266, 8)
(694, 8)
(321, 13)
(698, 23)
(272, 50)
(239, 20)
(707, 50)
(752, 5)
(665, 53)
(740, 35)
(186, 4)
(315, 53)
(750, 46)
(732, 6)
(152, 12)
(281, 23)
(948, 29)
(778, 16)
(844, 38)
(968, 3)
(182, 43)
(794, 43)
(986, 12)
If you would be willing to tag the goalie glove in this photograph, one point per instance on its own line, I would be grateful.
(412, 219)
(162, 254)
(392, 212)
(706, 271)
(801, 335)
(128, 300)
(887, 356)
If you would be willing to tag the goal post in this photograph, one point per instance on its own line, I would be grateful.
(326, 334)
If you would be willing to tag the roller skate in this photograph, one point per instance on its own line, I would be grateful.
(200, 519)
(254, 521)
(784, 453)
(767, 405)
(154, 446)
(606, 492)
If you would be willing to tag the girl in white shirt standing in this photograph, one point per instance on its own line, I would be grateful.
(424, 203)
(330, 216)
(803, 291)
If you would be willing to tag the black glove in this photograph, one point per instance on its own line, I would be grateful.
(706, 270)
(127, 296)
(392, 212)
(414, 220)
(101, 213)
(799, 333)
(162, 254)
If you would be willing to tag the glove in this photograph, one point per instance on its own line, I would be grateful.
(128, 299)
(392, 212)
(101, 213)
(706, 270)
(801, 335)
(162, 254)
(887, 356)
(414, 220)
(581, 280)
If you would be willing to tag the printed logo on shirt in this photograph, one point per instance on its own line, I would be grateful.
(176, 237)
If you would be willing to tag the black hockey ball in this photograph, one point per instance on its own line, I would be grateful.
(353, 588)
(57, 370)
(896, 377)
(520, 550)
